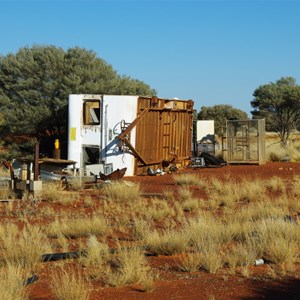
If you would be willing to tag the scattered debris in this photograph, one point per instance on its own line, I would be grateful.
(211, 160)
(31, 280)
(151, 172)
(115, 175)
(259, 262)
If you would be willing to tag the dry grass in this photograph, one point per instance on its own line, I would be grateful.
(159, 210)
(54, 192)
(6, 193)
(120, 192)
(242, 254)
(68, 285)
(23, 247)
(206, 233)
(279, 240)
(97, 253)
(51, 191)
(233, 225)
(12, 278)
(81, 227)
(167, 242)
(187, 179)
(130, 268)
(211, 261)
(141, 228)
(189, 262)
(4, 172)
(277, 152)
(276, 184)
(230, 193)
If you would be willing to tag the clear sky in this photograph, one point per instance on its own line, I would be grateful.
(213, 52)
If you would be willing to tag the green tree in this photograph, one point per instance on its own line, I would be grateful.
(221, 113)
(279, 103)
(35, 84)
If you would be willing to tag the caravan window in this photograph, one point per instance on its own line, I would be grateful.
(91, 112)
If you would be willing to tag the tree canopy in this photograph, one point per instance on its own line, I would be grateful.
(279, 103)
(221, 113)
(35, 84)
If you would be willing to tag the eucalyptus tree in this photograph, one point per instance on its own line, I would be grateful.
(279, 103)
(36, 81)
(221, 113)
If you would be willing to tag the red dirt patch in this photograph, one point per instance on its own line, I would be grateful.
(172, 283)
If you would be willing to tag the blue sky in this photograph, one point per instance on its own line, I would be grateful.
(213, 52)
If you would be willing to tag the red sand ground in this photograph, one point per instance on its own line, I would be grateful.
(173, 284)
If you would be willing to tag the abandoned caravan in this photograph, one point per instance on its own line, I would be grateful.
(132, 133)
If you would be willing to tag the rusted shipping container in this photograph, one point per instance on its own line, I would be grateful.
(109, 132)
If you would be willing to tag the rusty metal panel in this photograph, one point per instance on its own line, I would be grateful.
(165, 132)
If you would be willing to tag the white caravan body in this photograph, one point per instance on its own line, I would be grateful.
(94, 123)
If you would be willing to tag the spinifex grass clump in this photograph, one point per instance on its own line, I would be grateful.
(80, 227)
(189, 262)
(276, 184)
(206, 233)
(230, 193)
(167, 242)
(120, 192)
(159, 210)
(188, 179)
(279, 152)
(12, 278)
(69, 284)
(54, 192)
(130, 267)
(279, 240)
(241, 254)
(51, 191)
(96, 253)
(23, 247)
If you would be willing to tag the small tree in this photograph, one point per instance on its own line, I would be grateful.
(35, 84)
(221, 113)
(279, 104)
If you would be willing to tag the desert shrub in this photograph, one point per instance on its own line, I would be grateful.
(70, 284)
